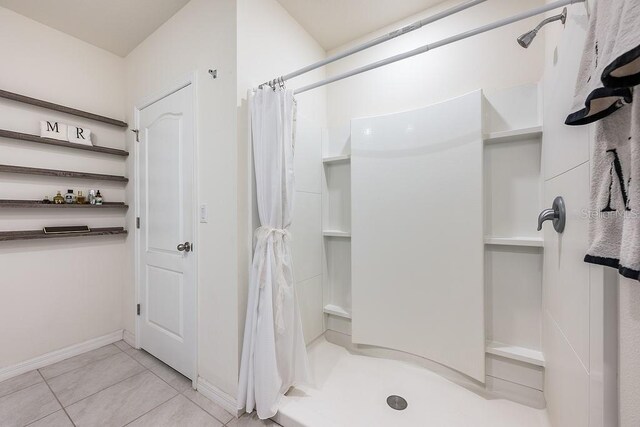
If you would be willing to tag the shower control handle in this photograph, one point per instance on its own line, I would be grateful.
(557, 214)
(546, 215)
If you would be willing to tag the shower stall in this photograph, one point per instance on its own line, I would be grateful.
(431, 264)
(427, 294)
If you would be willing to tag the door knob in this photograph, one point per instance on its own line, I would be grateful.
(185, 247)
(557, 214)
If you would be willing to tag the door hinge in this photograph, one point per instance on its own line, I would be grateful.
(137, 222)
(138, 309)
(137, 132)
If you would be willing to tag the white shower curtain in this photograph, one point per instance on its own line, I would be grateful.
(274, 356)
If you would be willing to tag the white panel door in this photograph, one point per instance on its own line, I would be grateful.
(417, 233)
(167, 271)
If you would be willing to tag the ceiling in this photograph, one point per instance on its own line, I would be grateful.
(120, 25)
(115, 25)
(335, 22)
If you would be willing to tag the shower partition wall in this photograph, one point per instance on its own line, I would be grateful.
(417, 231)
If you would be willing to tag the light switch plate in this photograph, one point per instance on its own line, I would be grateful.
(204, 215)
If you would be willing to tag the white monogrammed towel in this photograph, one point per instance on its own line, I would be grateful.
(610, 63)
(615, 197)
(630, 244)
(609, 74)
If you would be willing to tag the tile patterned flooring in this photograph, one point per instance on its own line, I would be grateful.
(115, 385)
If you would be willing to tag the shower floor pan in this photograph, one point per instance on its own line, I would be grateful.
(352, 390)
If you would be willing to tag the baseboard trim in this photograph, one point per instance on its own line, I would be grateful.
(218, 396)
(129, 338)
(58, 355)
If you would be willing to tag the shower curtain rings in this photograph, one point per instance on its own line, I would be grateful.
(274, 84)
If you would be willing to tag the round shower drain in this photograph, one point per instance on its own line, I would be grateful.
(396, 402)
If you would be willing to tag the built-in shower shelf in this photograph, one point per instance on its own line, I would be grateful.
(521, 354)
(337, 159)
(336, 233)
(536, 242)
(336, 311)
(513, 135)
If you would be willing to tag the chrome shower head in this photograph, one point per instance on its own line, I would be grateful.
(526, 39)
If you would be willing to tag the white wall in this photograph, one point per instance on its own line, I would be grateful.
(489, 61)
(580, 316)
(629, 363)
(57, 293)
(627, 321)
(202, 35)
(271, 43)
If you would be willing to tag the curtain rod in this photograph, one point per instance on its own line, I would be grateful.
(378, 40)
(443, 42)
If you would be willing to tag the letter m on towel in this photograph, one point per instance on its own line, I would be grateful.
(616, 169)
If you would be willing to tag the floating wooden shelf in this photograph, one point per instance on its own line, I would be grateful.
(39, 234)
(57, 107)
(513, 135)
(50, 141)
(61, 173)
(38, 204)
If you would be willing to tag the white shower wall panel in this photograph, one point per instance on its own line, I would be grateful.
(306, 228)
(513, 295)
(308, 152)
(337, 141)
(417, 235)
(516, 107)
(338, 197)
(512, 188)
(309, 293)
(337, 253)
(306, 232)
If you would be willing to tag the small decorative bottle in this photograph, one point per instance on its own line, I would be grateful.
(98, 198)
(58, 199)
(70, 197)
(81, 200)
(92, 197)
